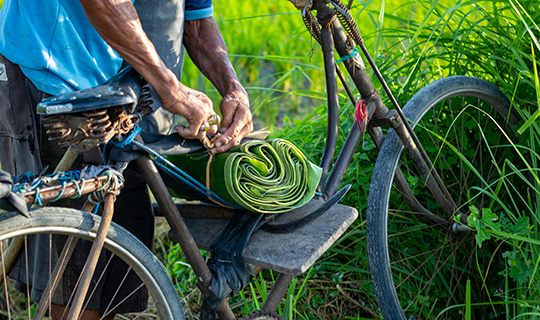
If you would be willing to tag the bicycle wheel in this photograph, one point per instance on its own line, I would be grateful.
(60, 223)
(419, 267)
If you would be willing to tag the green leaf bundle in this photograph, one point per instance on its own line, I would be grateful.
(268, 176)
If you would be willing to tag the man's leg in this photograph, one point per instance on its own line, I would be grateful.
(18, 126)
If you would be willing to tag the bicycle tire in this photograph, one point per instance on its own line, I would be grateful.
(66, 221)
(390, 266)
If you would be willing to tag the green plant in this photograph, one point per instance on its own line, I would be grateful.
(413, 43)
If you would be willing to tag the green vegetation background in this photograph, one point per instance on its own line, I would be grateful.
(414, 43)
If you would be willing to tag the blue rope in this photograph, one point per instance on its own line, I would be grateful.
(96, 208)
(128, 140)
(178, 173)
(353, 53)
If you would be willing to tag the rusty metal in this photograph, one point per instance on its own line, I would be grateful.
(57, 127)
(144, 106)
(312, 26)
(90, 203)
(91, 262)
(374, 108)
(278, 290)
(9, 257)
(59, 268)
(70, 190)
(179, 227)
(349, 25)
(98, 125)
(357, 73)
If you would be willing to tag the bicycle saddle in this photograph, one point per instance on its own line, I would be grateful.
(122, 89)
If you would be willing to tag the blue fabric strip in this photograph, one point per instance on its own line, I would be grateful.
(353, 53)
(199, 14)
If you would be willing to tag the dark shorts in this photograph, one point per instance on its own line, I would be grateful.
(21, 141)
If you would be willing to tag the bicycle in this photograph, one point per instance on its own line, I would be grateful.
(439, 206)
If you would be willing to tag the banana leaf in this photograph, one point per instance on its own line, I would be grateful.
(267, 176)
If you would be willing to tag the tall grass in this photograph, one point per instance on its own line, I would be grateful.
(414, 43)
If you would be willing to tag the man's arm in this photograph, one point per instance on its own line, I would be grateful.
(207, 49)
(118, 24)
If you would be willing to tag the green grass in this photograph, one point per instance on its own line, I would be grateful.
(414, 43)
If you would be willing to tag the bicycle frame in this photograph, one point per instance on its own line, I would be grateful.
(334, 36)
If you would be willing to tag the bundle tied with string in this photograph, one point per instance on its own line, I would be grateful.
(266, 176)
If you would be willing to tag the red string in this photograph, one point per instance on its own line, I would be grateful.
(360, 114)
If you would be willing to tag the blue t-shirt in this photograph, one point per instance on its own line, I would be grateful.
(56, 46)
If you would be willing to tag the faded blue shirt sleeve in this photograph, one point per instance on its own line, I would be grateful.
(55, 45)
(198, 9)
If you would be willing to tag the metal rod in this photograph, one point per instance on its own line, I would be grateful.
(344, 83)
(67, 160)
(366, 89)
(198, 211)
(327, 44)
(344, 159)
(178, 226)
(407, 125)
(357, 72)
(93, 256)
(50, 193)
(278, 290)
(9, 257)
(425, 171)
(59, 268)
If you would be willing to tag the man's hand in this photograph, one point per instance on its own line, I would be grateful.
(118, 24)
(197, 108)
(208, 51)
(236, 123)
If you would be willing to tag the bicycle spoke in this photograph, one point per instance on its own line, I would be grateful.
(60, 266)
(462, 136)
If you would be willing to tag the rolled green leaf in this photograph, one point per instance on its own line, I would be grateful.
(268, 176)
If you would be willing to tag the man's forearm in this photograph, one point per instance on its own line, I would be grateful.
(206, 48)
(118, 24)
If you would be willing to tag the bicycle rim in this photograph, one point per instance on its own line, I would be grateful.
(421, 268)
(54, 226)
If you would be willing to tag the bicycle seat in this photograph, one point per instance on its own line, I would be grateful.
(122, 89)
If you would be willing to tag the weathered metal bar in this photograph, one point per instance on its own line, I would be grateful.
(10, 256)
(278, 290)
(327, 44)
(91, 262)
(59, 268)
(198, 211)
(50, 193)
(357, 72)
(374, 106)
(426, 172)
(179, 228)
(67, 160)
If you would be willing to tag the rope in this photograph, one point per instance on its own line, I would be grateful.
(351, 55)
(128, 140)
(28, 182)
(178, 173)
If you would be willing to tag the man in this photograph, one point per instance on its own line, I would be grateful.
(57, 46)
